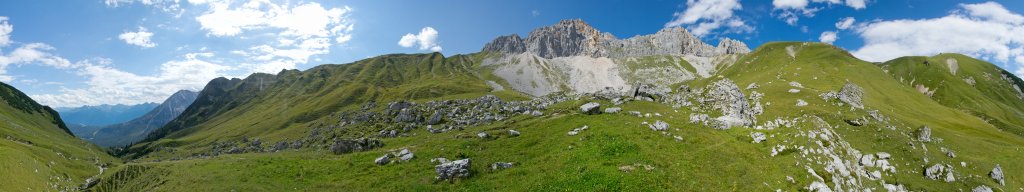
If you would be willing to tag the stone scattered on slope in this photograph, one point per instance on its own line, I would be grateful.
(483, 135)
(613, 110)
(513, 133)
(758, 137)
(659, 126)
(796, 84)
(383, 160)
(343, 146)
(591, 108)
(997, 174)
(405, 155)
(725, 96)
(801, 103)
(577, 130)
(453, 169)
(436, 118)
(856, 122)
(939, 171)
(852, 94)
(982, 188)
(501, 165)
(794, 91)
(924, 134)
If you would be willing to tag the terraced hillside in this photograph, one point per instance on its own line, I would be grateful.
(38, 152)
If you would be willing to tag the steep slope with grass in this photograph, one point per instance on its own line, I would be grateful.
(38, 152)
(280, 106)
(787, 116)
(974, 86)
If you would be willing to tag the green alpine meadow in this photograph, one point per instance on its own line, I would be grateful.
(563, 107)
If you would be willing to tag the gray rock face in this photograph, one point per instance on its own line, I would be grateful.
(577, 38)
(613, 110)
(436, 118)
(348, 146)
(659, 126)
(566, 38)
(934, 172)
(383, 160)
(453, 169)
(405, 155)
(730, 46)
(725, 96)
(506, 44)
(982, 188)
(852, 94)
(591, 108)
(501, 165)
(758, 137)
(997, 174)
(924, 134)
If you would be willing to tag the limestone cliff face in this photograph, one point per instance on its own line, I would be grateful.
(570, 38)
(506, 44)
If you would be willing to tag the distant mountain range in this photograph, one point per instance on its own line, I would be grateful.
(86, 119)
(134, 130)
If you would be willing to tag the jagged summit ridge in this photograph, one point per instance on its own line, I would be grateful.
(577, 38)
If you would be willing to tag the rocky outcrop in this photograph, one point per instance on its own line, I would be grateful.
(506, 44)
(997, 174)
(566, 38)
(577, 38)
(452, 169)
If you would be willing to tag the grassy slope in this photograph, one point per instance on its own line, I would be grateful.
(547, 159)
(53, 152)
(282, 110)
(991, 98)
(821, 68)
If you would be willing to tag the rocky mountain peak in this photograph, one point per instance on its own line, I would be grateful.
(566, 38)
(574, 37)
(730, 46)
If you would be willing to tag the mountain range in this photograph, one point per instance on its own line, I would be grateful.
(570, 108)
(122, 134)
(87, 119)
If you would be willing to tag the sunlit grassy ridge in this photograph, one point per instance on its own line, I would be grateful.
(37, 152)
(285, 105)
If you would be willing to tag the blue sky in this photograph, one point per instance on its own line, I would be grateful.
(72, 53)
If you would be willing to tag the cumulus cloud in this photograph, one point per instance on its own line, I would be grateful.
(828, 37)
(845, 23)
(304, 30)
(139, 38)
(703, 17)
(106, 83)
(990, 33)
(5, 31)
(790, 11)
(169, 6)
(426, 39)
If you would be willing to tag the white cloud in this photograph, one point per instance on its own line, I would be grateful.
(32, 53)
(969, 31)
(169, 6)
(790, 11)
(845, 23)
(106, 84)
(5, 31)
(789, 4)
(139, 38)
(303, 31)
(993, 11)
(857, 4)
(426, 39)
(703, 17)
(828, 37)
